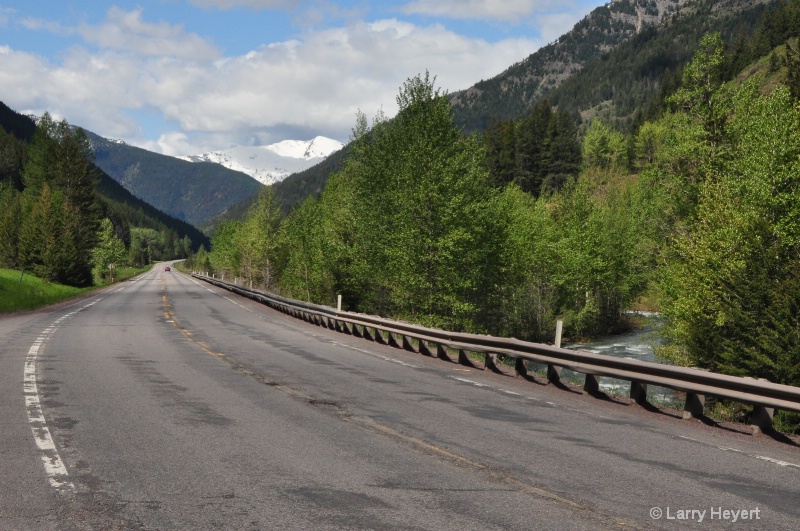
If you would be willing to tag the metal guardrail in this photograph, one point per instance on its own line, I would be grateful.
(764, 396)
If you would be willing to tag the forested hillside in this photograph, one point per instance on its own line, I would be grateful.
(695, 212)
(63, 219)
(619, 64)
(615, 61)
(193, 192)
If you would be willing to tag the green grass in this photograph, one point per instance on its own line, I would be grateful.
(33, 292)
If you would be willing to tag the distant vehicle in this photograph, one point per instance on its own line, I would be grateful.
(167, 269)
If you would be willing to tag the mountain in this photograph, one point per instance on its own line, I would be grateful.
(193, 192)
(272, 163)
(617, 63)
(116, 201)
(618, 53)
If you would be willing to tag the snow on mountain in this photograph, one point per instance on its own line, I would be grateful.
(272, 163)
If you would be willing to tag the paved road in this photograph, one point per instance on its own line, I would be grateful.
(165, 403)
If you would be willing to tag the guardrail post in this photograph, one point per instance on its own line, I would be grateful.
(521, 367)
(379, 337)
(392, 341)
(761, 419)
(442, 354)
(425, 349)
(464, 359)
(695, 403)
(639, 392)
(408, 345)
(490, 361)
(368, 335)
(553, 374)
(591, 384)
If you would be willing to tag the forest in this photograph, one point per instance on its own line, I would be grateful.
(63, 220)
(695, 213)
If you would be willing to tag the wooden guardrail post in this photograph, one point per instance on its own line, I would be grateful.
(639, 392)
(408, 345)
(695, 403)
(491, 362)
(443, 354)
(464, 359)
(368, 335)
(425, 349)
(761, 419)
(521, 367)
(379, 337)
(392, 341)
(591, 384)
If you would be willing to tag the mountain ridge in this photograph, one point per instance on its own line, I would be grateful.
(512, 92)
(274, 162)
(192, 192)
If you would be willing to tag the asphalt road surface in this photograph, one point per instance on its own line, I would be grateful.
(166, 403)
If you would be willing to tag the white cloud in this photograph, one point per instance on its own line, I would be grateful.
(5, 15)
(321, 81)
(253, 4)
(312, 85)
(36, 24)
(507, 10)
(126, 31)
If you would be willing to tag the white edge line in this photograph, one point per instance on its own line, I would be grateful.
(54, 467)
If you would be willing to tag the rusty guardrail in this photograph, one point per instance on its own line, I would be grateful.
(764, 396)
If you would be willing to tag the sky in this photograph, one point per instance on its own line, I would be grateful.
(183, 77)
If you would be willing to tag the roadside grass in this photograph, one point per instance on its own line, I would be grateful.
(124, 273)
(32, 292)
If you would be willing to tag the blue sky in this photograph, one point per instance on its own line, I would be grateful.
(183, 77)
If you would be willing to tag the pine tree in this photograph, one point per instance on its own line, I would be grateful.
(532, 148)
(10, 224)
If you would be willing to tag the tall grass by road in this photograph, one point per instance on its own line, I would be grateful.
(32, 292)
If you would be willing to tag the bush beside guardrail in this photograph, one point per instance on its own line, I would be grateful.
(764, 396)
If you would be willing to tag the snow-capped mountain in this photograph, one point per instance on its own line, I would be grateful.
(272, 163)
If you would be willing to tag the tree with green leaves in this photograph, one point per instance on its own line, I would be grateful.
(10, 224)
(699, 95)
(526, 297)
(305, 271)
(225, 255)
(109, 253)
(40, 239)
(256, 239)
(60, 161)
(532, 148)
(499, 141)
(604, 148)
(422, 211)
(728, 290)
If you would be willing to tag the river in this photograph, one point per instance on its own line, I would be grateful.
(637, 344)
